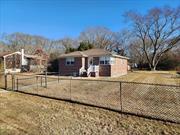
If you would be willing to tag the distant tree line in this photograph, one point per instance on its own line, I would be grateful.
(152, 41)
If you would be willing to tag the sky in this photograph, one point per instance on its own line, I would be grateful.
(56, 19)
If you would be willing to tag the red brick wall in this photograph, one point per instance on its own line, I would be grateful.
(104, 70)
(69, 69)
(119, 68)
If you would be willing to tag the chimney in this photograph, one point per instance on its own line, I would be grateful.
(22, 57)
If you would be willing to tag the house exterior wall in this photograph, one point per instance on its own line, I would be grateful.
(104, 70)
(13, 61)
(119, 68)
(69, 69)
(1, 65)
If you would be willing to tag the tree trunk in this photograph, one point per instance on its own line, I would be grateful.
(153, 68)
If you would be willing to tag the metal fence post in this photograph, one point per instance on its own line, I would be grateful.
(58, 78)
(70, 87)
(5, 77)
(41, 81)
(120, 91)
(12, 78)
(37, 81)
(17, 83)
(46, 79)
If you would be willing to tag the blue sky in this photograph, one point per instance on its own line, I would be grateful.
(60, 18)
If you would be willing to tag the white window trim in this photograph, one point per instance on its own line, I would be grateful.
(109, 58)
(71, 59)
(112, 60)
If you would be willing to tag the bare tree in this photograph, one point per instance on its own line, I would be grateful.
(100, 37)
(69, 43)
(121, 41)
(158, 31)
(136, 53)
(18, 41)
(2, 46)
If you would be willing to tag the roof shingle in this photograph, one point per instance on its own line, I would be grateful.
(90, 52)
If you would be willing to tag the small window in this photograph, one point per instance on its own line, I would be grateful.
(69, 61)
(112, 60)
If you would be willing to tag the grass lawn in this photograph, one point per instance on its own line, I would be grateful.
(158, 77)
(25, 114)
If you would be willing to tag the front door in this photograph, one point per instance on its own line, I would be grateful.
(90, 61)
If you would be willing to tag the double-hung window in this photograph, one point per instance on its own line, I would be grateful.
(106, 60)
(70, 61)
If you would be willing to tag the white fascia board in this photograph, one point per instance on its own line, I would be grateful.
(11, 54)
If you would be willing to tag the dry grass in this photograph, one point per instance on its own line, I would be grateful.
(35, 115)
(158, 77)
(24, 114)
(157, 101)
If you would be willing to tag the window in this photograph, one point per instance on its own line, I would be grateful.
(112, 60)
(69, 61)
(106, 60)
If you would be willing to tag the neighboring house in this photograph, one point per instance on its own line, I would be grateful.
(93, 62)
(12, 62)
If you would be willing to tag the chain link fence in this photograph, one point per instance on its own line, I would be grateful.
(143, 99)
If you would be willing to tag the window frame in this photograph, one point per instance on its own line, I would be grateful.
(106, 60)
(70, 61)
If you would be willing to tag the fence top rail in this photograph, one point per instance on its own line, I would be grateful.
(113, 81)
(99, 80)
(26, 78)
(128, 82)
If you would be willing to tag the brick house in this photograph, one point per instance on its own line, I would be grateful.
(93, 62)
(12, 62)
